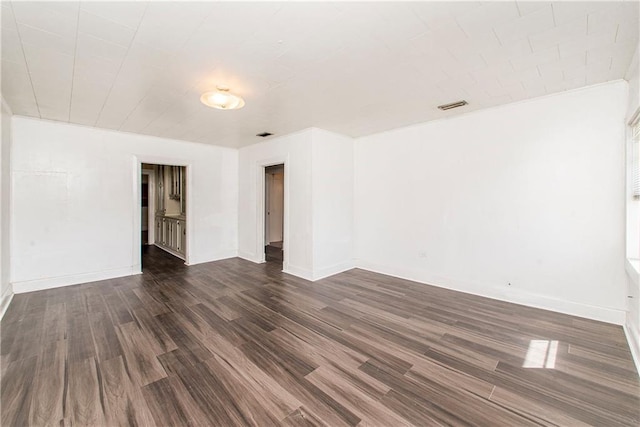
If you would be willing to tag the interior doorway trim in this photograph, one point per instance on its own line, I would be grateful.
(151, 207)
(260, 209)
(137, 205)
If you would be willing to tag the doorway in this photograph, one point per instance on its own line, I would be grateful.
(274, 213)
(144, 219)
(163, 213)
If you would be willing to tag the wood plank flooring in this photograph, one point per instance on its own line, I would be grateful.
(232, 343)
(273, 252)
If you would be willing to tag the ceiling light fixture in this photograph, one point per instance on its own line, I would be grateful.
(222, 99)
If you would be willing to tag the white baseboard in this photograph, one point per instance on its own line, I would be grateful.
(602, 314)
(170, 251)
(251, 257)
(334, 269)
(75, 279)
(314, 275)
(5, 300)
(633, 337)
(303, 273)
(216, 257)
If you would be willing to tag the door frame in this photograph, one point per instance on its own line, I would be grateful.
(269, 186)
(261, 208)
(138, 160)
(267, 201)
(151, 208)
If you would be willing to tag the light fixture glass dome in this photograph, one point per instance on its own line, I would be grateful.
(222, 99)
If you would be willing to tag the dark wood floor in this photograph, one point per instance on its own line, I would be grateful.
(235, 343)
(273, 252)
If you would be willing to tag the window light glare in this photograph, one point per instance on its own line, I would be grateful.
(541, 354)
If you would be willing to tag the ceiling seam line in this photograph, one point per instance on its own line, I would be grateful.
(73, 70)
(188, 90)
(26, 64)
(155, 84)
(169, 107)
(121, 65)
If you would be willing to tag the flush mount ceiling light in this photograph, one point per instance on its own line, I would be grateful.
(222, 99)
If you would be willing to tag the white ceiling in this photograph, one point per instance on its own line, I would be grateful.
(353, 68)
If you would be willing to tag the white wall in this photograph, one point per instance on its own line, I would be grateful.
(530, 194)
(633, 206)
(632, 323)
(318, 226)
(294, 151)
(633, 77)
(6, 292)
(74, 205)
(333, 187)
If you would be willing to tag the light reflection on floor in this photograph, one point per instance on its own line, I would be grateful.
(541, 354)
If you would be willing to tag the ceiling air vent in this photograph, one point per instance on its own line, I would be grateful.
(453, 105)
(264, 134)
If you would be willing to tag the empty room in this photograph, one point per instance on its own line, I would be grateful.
(229, 213)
